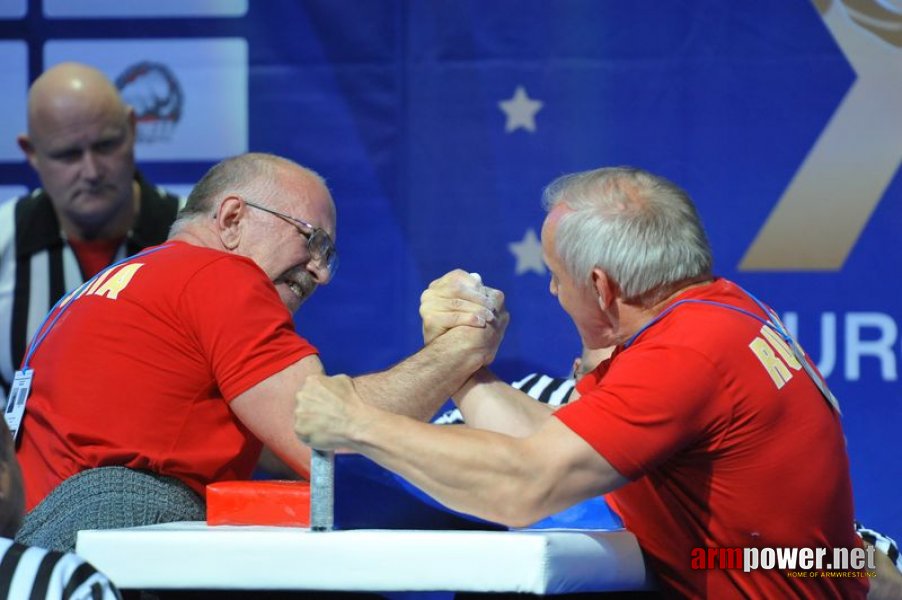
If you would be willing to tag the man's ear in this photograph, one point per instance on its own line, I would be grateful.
(228, 219)
(132, 123)
(27, 148)
(604, 287)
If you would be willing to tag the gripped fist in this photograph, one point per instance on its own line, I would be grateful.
(482, 342)
(458, 299)
(327, 410)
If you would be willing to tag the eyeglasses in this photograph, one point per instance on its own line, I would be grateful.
(319, 244)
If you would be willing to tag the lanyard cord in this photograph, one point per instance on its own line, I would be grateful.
(773, 321)
(66, 302)
(775, 324)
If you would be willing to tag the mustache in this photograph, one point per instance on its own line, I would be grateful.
(303, 278)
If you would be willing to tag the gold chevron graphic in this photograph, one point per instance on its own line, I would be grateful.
(827, 204)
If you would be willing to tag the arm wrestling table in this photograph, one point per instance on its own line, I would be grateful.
(193, 555)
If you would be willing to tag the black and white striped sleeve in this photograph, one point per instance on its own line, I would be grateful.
(882, 542)
(554, 391)
(28, 573)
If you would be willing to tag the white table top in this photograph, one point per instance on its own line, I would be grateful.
(192, 555)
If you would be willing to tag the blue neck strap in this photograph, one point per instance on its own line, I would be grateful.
(66, 302)
(772, 321)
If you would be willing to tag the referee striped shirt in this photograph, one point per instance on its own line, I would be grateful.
(38, 267)
(554, 391)
(28, 573)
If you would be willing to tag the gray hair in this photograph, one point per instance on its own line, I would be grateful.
(253, 173)
(642, 230)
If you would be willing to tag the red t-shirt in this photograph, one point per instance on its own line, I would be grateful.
(719, 455)
(140, 369)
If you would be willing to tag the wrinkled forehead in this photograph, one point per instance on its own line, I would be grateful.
(305, 197)
(326, 205)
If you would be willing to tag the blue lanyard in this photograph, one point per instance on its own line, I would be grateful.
(773, 322)
(67, 300)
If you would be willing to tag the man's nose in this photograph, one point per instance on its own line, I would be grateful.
(89, 167)
(319, 271)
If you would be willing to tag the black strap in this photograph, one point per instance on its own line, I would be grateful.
(530, 383)
(9, 564)
(84, 572)
(37, 230)
(42, 577)
(545, 396)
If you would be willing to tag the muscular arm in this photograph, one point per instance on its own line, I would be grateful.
(515, 481)
(888, 582)
(461, 335)
(488, 403)
(267, 409)
(418, 386)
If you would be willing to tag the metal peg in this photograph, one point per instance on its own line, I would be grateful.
(322, 490)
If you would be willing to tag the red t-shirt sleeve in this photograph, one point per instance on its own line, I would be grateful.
(241, 325)
(649, 403)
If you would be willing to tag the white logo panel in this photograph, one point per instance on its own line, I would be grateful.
(190, 96)
(13, 9)
(8, 192)
(90, 9)
(14, 83)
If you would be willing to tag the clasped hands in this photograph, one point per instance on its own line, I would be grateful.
(457, 305)
(460, 302)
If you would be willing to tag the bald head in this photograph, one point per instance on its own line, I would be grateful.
(69, 87)
(80, 140)
(260, 174)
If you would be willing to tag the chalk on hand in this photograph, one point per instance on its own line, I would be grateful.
(491, 303)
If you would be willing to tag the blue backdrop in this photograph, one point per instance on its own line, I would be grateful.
(437, 123)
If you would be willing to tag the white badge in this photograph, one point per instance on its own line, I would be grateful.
(815, 376)
(15, 404)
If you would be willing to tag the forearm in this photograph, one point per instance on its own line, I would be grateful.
(267, 410)
(507, 479)
(418, 386)
(486, 402)
(482, 473)
(888, 582)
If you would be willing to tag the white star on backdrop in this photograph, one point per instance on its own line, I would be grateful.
(521, 111)
(528, 253)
